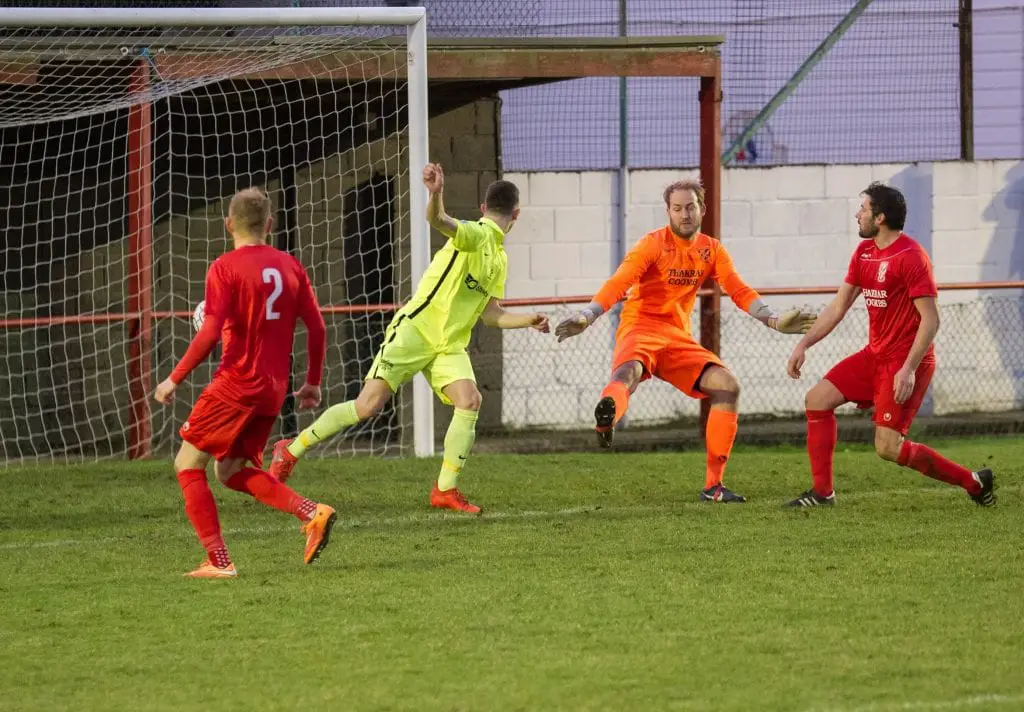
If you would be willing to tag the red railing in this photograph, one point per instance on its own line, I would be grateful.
(140, 325)
(766, 291)
(41, 321)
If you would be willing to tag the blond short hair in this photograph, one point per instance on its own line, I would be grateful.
(250, 210)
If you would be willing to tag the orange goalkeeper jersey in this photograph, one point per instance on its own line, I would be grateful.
(662, 274)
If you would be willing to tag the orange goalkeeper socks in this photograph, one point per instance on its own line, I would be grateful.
(617, 391)
(719, 438)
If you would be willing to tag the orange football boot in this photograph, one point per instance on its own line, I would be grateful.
(452, 499)
(283, 462)
(318, 531)
(208, 570)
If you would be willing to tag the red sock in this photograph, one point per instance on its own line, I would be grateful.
(201, 509)
(719, 437)
(931, 464)
(617, 391)
(270, 491)
(822, 434)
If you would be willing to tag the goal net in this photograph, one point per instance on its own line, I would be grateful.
(124, 134)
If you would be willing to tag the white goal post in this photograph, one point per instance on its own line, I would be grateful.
(42, 321)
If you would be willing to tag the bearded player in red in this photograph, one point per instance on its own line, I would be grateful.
(254, 295)
(894, 370)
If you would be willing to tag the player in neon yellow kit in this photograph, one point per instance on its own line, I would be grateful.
(429, 335)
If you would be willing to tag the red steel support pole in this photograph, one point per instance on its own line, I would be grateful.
(140, 265)
(711, 175)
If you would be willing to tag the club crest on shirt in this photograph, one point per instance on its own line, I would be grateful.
(704, 253)
(883, 267)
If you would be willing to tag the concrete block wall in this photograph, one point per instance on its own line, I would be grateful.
(786, 226)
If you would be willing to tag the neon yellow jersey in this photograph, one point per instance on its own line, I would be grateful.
(463, 276)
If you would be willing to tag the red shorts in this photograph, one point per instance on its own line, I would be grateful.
(224, 430)
(672, 356)
(866, 381)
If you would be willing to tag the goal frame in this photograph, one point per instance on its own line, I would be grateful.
(140, 313)
(470, 67)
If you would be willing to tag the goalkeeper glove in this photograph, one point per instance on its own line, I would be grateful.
(793, 321)
(575, 324)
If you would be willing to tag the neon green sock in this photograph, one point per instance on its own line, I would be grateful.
(458, 441)
(334, 420)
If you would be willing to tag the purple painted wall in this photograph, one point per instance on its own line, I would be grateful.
(887, 92)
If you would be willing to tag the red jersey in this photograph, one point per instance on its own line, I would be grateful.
(891, 280)
(254, 296)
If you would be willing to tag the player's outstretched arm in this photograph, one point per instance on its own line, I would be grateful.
(635, 264)
(218, 284)
(831, 315)
(793, 321)
(201, 347)
(433, 179)
(308, 396)
(577, 322)
(827, 320)
(495, 315)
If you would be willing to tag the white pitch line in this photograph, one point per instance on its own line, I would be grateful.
(434, 517)
(911, 706)
(354, 523)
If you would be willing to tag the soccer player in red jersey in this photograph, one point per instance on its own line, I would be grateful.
(894, 370)
(254, 295)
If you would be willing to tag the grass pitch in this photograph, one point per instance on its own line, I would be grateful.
(592, 582)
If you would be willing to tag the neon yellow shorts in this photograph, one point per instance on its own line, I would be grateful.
(405, 353)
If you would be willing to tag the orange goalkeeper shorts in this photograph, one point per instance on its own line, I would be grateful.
(666, 353)
(225, 430)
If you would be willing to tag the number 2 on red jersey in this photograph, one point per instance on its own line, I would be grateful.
(271, 274)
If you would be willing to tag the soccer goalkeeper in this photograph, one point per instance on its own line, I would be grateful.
(662, 274)
(429, 335)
